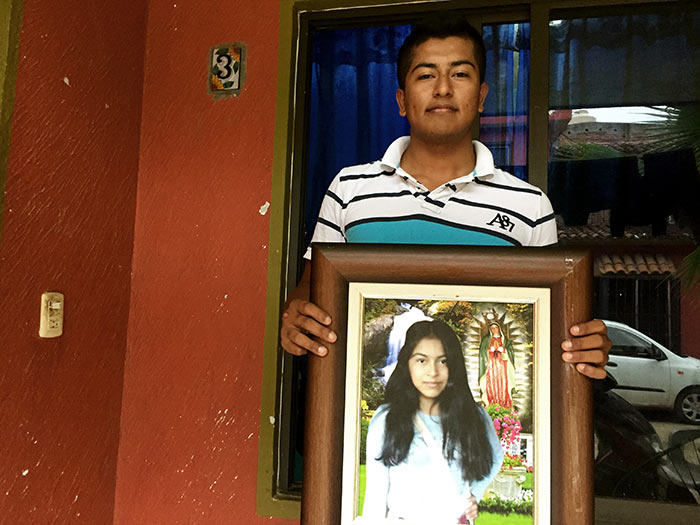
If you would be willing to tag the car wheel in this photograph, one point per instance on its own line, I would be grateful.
(688, 406)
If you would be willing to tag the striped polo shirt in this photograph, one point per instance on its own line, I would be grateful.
(381, 203)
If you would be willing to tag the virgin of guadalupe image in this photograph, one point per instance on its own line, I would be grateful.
(496, 363)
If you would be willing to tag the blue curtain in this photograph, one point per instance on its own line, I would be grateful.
(507, 69)
(504, 123)
(614, 61)
(353, 114)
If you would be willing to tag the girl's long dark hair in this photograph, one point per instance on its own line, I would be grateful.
(464, 430)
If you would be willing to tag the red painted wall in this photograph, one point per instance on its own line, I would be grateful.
(68, 227)
(190, 416)
(690, 322)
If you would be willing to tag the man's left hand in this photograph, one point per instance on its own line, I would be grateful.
(588, 348)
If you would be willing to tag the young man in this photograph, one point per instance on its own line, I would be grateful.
(436, 186)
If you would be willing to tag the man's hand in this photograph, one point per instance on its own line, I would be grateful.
(588, 348)
(301, 319)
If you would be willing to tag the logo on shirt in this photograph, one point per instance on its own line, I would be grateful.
(503, 221)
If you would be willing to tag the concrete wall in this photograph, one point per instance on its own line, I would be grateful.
(194, 359)
(70, 199)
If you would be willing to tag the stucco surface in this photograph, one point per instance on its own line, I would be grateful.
(190, 414)
(68, 226)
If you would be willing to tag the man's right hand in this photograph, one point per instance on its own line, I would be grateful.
(301, 319)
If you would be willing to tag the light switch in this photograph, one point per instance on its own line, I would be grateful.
(52, 305)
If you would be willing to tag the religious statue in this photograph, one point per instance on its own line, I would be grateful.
(496, 364)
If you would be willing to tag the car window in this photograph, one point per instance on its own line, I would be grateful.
(646, 352)
(629, 345)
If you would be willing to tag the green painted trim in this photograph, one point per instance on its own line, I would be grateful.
(268, 504)
(10, 23)
(538, 137)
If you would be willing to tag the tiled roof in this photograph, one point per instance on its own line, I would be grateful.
(633, 264)
(598, 228)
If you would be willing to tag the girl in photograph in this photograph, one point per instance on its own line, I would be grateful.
(431, 450)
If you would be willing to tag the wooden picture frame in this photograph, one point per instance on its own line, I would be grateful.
(566, 272)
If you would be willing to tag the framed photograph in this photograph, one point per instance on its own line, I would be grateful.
(503, 346)
(446, 387)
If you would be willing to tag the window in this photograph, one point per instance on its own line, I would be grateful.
(649, 303)
(617, 100)
(512, 127)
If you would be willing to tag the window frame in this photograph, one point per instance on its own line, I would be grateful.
(11, 21)
(297, 17)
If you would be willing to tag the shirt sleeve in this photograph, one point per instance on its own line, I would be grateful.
(377, 474)
(545, 231)
(330, 226)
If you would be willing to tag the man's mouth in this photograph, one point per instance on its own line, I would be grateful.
(442, 108)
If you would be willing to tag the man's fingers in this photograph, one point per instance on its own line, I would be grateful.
(300, 320)
(306, 342)
(292, 348)
(309, 309)
(595, 326)
(595, 357)
(314, 328)
(588, 348)
(298, 343)
(591, 371)
(589, 342)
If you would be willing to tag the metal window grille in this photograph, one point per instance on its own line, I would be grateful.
(649, 303)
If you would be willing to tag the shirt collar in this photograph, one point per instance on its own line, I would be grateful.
(484, 160)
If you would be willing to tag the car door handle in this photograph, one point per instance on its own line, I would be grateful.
(611, 364)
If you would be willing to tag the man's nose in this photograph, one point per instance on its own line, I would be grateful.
(443, 86)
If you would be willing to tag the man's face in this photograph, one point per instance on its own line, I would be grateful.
(443, 95)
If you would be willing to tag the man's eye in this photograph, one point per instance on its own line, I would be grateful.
(462, 74)
(424, 76)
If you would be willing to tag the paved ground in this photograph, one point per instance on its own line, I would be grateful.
(664, 429)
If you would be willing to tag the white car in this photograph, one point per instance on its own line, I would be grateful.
(649, 375)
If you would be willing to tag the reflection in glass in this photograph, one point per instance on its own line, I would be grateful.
(624, 123)
(503, 126)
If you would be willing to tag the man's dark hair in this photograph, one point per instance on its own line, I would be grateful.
(439, 26)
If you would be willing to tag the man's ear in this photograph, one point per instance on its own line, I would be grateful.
(401, 101)
(483, 91)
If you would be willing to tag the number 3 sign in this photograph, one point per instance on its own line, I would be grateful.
(227, 71)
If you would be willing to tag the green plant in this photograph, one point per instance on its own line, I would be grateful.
(457, 314)
(574, 150)
(496, 504)
(511, 461)
(364, 425)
